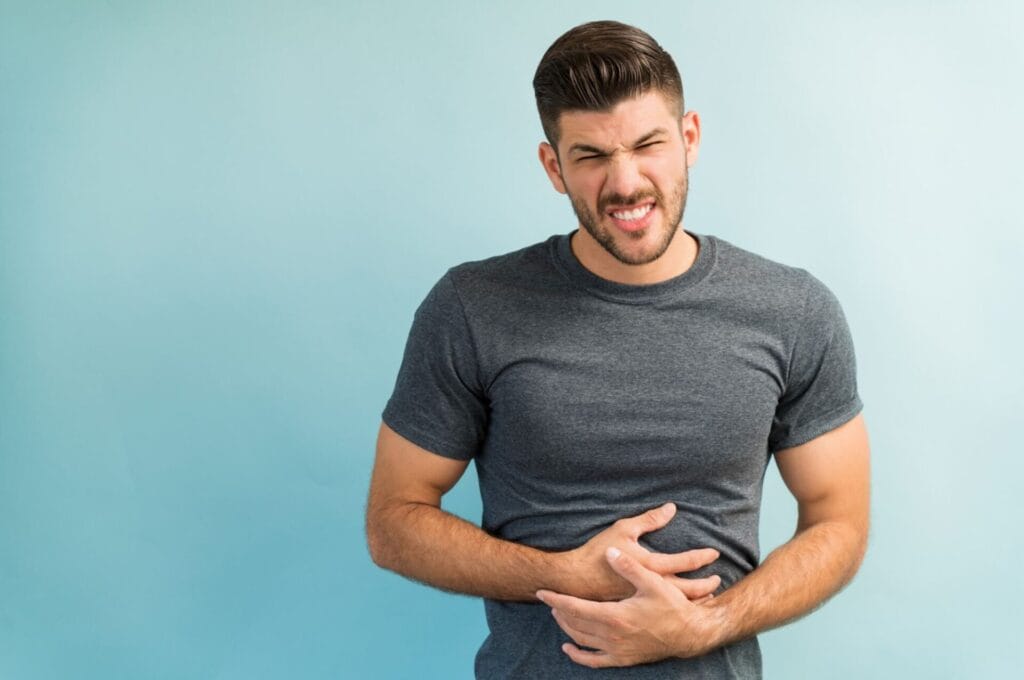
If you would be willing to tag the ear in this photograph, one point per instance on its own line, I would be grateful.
(689, 126)
(549, 160)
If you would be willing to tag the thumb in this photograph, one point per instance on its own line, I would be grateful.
(650, 520)
(645, 580)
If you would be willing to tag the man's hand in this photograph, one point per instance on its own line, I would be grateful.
(602, 582)
(657, 622)
(830, 478)
(408, 533)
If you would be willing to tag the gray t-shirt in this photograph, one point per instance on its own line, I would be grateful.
(583, 401)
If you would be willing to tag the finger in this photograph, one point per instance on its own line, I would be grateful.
(645, 580)
(577, 607)
(674, 563)
(648, 521)
(695, 588)
(590, 659)
(706, 598)
(578, 636)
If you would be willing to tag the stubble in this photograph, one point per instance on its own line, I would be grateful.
(673, 210)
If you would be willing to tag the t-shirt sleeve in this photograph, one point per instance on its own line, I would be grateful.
(821, 386)
(438, 402)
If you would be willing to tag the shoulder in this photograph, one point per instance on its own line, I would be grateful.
(511, 264)
(487, 286)
(748, 266)
(521, 270)
(783, 287)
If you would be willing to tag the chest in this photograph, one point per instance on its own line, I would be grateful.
(634, 395)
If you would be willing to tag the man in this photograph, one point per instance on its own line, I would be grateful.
(621, 389)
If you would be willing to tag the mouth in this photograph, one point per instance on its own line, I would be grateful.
(632, 217)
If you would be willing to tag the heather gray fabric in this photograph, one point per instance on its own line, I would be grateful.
(583, 401)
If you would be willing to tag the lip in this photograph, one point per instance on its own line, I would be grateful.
(630, 226)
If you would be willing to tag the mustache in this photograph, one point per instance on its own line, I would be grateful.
(633, 198)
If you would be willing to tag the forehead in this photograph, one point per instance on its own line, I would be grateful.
(620, 125)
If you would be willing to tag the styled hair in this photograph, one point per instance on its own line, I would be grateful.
(596, 65)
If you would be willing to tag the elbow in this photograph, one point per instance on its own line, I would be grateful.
(859, 528)
(384, 533)
(376, 539)
(857, 542)
(860, 550)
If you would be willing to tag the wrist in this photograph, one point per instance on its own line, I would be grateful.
(563, 575)
(716, 624)
(573, 573)
(704, 632)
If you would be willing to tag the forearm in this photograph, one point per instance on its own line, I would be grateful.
(430, 545)
(793, 580)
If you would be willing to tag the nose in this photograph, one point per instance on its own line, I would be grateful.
(624, 177)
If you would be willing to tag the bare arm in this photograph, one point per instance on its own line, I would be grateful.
(829, 476)
(409, 533)
(830, 479)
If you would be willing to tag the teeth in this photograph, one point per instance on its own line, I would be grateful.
(634, 214)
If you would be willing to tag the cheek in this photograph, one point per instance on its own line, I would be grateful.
(586, 187)
(669, 176)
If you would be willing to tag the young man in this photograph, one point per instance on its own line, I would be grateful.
(621, 389)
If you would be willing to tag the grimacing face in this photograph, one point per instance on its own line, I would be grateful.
(625, 171)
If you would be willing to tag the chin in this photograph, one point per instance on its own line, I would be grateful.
(645, 248)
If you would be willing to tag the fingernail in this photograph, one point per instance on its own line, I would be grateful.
(613, 553)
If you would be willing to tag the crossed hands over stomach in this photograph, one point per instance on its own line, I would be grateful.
(635, 608)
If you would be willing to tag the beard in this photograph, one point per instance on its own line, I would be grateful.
(672, 209)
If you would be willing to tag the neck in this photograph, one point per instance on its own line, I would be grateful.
(677, 258)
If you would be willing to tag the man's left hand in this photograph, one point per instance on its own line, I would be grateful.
(657, 622)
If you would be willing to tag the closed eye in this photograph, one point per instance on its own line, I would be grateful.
(599, 156)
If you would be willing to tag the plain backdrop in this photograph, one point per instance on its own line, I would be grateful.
(216, 221)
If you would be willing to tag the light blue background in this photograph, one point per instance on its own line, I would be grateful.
(216, 221)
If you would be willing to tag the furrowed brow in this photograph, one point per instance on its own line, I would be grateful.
(649, 136)
(588, 149)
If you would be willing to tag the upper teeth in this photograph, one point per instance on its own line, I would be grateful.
(634, 214)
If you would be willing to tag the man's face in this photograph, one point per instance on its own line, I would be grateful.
(625, 172)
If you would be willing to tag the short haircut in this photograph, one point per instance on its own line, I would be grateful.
(596, 65)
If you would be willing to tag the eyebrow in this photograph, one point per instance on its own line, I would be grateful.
(586, 148)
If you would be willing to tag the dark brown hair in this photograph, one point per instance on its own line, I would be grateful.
(594, 66)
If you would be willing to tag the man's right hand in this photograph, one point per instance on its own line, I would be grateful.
(600, 582)
(408, 533)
